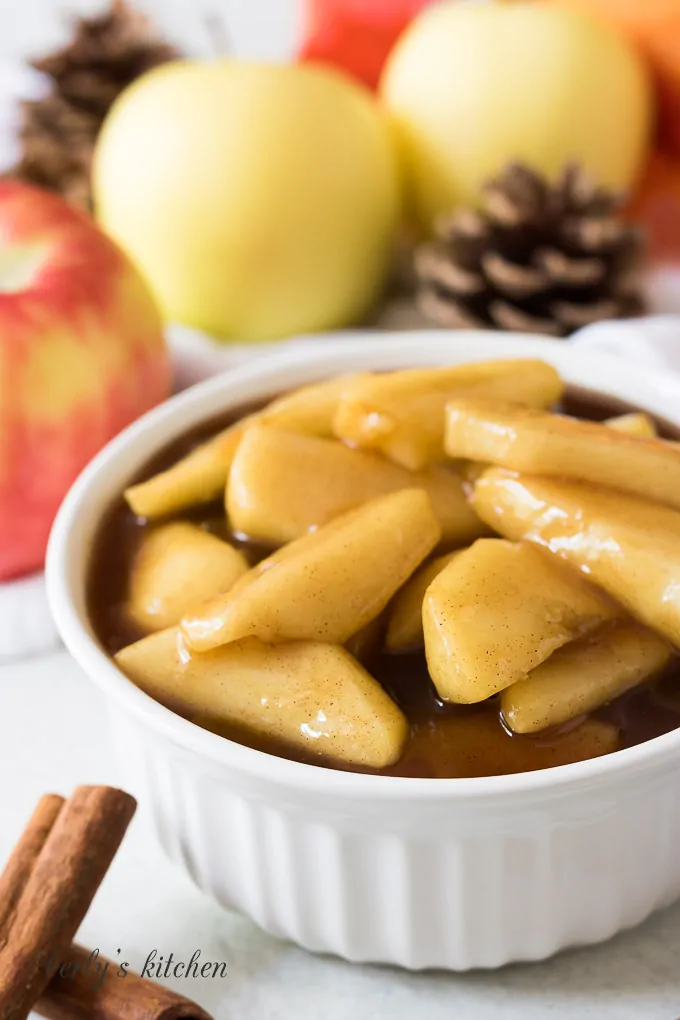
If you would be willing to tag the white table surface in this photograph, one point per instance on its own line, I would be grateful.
(53, 736)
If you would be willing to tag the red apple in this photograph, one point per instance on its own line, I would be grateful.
(81, 355)
(656, 205)
(355, 35)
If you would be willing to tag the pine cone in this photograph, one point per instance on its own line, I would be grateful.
(58, 133)
(535, 258)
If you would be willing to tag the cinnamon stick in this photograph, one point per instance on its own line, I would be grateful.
(85, 993)
(18, 868)
(83, 985)
(62, 883)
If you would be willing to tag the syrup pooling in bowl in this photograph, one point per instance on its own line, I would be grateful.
(445, 740)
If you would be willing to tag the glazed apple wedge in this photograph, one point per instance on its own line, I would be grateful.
(637, 423)
(201, 476)
(308, 695)
(583, 676)
(402, 414)
(281, 485)
(497, 611)
(539, 443)
(310, 410)
(405, 625)
(327, 585)
(626, 545)
(177, 566)
(197, 478)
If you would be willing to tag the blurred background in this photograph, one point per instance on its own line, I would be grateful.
(257, 28)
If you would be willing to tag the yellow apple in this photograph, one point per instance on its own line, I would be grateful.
(259, 200)
(473, 86)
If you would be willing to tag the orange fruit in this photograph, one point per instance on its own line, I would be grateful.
(655, 26)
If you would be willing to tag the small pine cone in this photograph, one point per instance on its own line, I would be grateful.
(58, 133)
(535, 258)
(46, 158)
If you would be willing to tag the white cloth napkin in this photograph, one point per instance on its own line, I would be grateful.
(26, 627)
(653, 341)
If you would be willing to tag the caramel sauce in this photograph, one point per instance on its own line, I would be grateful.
(446, 741)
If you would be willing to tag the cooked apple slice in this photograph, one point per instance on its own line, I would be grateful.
(627, 546)
(464, 746)
(635, 424)
(200, 477)
(178, 566)
(446, 488)
(497, 611)
(197, 478)
(282, 485)
(327, 585)
(401, 414)
(310, 409)
(582, 676)
(525, 439)
(309, 695)
(405, 626)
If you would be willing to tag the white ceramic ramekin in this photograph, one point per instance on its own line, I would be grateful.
(453, 873)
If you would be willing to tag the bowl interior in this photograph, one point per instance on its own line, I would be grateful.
(102, 482)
